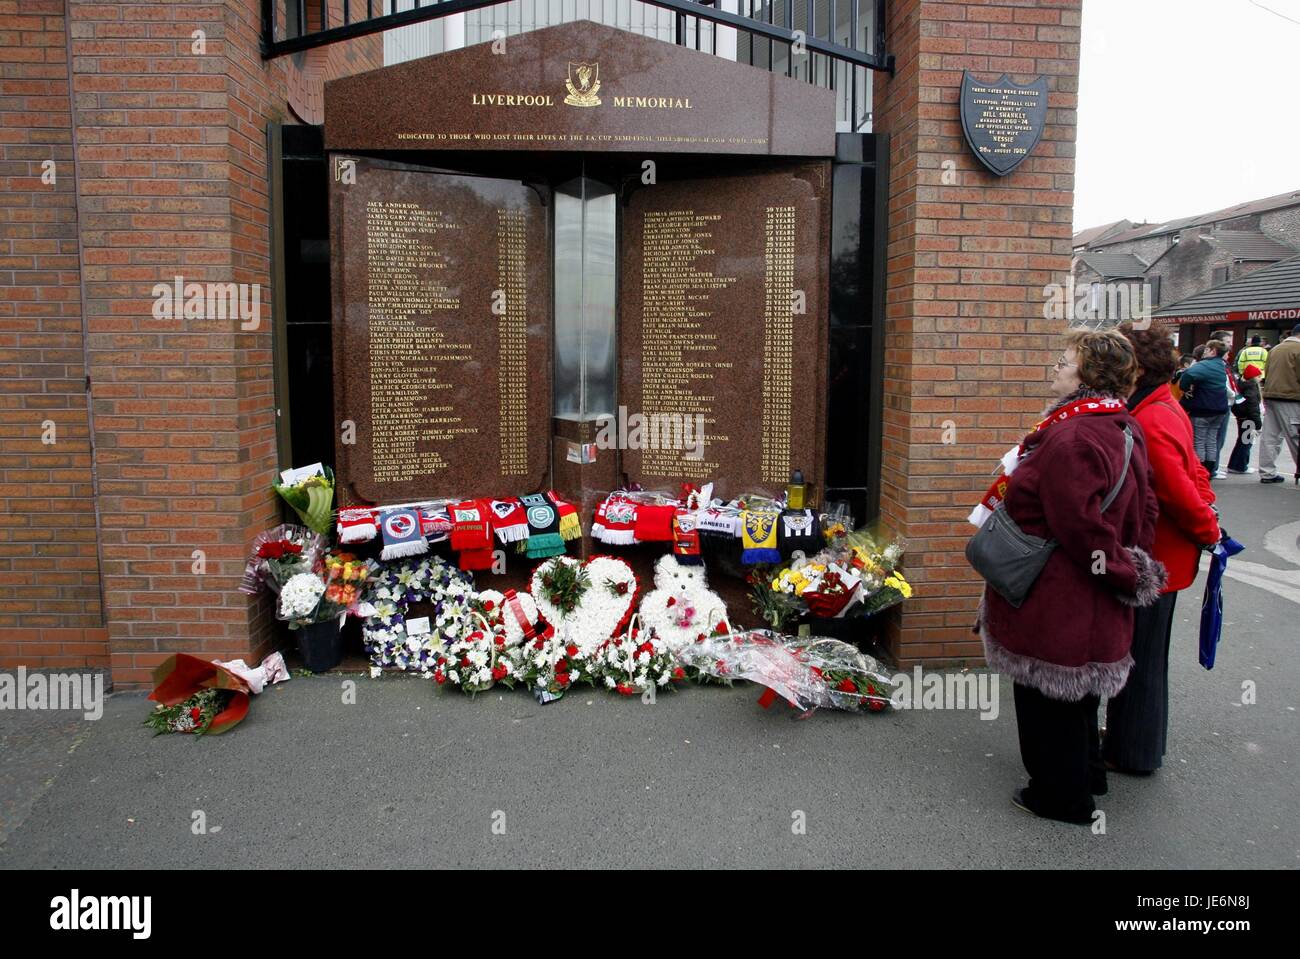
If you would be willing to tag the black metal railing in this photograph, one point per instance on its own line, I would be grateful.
(310, 23)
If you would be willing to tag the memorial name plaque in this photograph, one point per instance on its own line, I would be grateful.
(579, 86)
(441, 332)
(1002, 121)
(721, 337)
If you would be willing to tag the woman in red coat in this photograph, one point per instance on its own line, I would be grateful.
(1137, 720)
(1068, 643)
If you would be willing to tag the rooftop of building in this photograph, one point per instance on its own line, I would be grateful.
(1107, 234)
(1274, 287)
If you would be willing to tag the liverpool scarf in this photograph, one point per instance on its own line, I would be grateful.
(570, 524)
(798, 530)
(544, 537)
(997, 493)
(686, 538)
(758, 536)
(615, 521)
(401, 531)
(469, 526)
(508, 520)
(654, 524)
(357, 525)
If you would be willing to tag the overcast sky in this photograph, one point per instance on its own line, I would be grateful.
(1185, 106)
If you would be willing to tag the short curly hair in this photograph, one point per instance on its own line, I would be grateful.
(1157, 358)
(1107, 363)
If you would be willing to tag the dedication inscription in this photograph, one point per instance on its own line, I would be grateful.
(1002, 121)
(723, 355)
(442, 297)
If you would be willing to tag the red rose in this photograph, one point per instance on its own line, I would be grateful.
(440, 677)
(500, 640)
(699, 638)
(562, 666)
(645, 648)
(562, 679)
(722, 628)
(195, 713)
(572, 650)
(488, 604)
(499, 671)
(672, 600)
(464, 661)
(847, 686)
(291, 548)
(679, 673)
(626, 689)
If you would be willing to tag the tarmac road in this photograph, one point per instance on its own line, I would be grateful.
(409, 776)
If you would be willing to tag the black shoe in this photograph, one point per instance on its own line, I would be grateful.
(1275, 478)
(1127, 772)
(1019, 800)
(1097, 784)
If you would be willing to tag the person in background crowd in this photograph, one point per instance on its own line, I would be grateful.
(1256, 353)
(1068, 643)
(1249, 423)
(1184, 361)
(1281, 407)
(1137, 719)
(1198, 353)
(1207, 383)
(1224, 337)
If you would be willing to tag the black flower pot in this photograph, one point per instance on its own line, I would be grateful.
(320, 645)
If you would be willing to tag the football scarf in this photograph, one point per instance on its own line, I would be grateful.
(475, 559)
(997, 493)
(798, 530)
(469, 526)
(401, 531)
(357, 525)
(615, 521)
(686, 538)
(758, 537)
(654, 524)
(570, 524)
(508, 520)
(434, 524)
(720, 520)
(544, 537)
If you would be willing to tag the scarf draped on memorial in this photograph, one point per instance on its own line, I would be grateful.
(544, 539)
(508, 519)
(799, 530)
(686, 537)
(570, 523)
(758, 536)
(402, 534)
(615, 521)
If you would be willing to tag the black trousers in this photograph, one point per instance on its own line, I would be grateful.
(1137, 720)
(1240, 458)
(1060, 747)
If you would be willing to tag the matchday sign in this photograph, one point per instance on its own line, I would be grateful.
(1002, 120)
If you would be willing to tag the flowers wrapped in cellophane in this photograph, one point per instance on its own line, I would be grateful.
(278, 554)
(807, 672)
(856, 574)
(330, 592)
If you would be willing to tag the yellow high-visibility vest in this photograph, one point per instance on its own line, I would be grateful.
(1253, 354)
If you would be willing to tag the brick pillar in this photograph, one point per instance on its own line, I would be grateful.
(966, 342)
(50, 611)
(172, 181)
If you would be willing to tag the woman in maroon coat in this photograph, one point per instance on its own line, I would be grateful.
(1068, 643)
(1137, 719)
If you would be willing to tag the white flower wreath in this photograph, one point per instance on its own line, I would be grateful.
(424, 579)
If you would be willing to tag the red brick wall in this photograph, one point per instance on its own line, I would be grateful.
(170, 179)
(50, 611)
(966, 338)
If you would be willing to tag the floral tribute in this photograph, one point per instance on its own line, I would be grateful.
(588, 602)
(636, 661)
(477, 661)
(550, 664)
(278, 554)
(423, 579)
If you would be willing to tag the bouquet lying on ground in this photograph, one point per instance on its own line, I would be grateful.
(855, 575)
(636, 661)
(549, 665)
(278, 554)
(807, 672)
(198, 697)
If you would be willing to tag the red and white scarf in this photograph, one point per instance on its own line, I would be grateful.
(997, 493)
(508, 519)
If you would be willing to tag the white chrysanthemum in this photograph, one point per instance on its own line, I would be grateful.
(609, 681)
